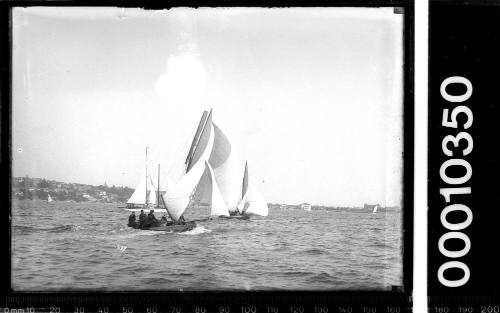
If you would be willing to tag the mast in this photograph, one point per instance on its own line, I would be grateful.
(158, 194)
(146, 176)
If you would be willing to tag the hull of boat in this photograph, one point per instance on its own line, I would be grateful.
(237, 217)
(178, 228)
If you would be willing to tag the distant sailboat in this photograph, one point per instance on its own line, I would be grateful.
(146, 194)
(375, 209)
(49, 198)
(252, 202)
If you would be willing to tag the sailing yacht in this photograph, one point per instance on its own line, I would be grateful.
(212, 175)
(375, 208)
(146, 195)
(49, 198)
(252, 202)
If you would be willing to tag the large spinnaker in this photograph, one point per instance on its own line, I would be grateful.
(255, 203)
(227, 169)
(217, 204)
(178, 198)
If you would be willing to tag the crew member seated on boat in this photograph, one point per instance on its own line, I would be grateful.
(163, 219)
(151, 220)
(142, 218)
(182, 220)
(131, 220)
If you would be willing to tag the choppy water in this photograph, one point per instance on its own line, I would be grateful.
(87, 246)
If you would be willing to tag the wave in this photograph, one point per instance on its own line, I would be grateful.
(315, 251)
(57, 229)
(135, 233)
(196, 231)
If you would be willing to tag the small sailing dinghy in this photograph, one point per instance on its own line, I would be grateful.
(49, 198)
(375, 208)
(148, 197)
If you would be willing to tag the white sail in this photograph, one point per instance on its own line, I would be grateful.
(49, 198)
(217, 204)
(227, 169)
(255, 202)
(177, 199)
(152, 190)
(241, 204)
(139, 195)
(375, 209)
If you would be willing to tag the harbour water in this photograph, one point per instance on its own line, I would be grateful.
(87, 246)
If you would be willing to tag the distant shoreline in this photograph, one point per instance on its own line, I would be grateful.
(29, 188)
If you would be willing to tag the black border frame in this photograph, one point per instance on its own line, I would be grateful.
(210, 299)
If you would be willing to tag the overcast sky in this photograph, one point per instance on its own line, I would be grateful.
(312, 98)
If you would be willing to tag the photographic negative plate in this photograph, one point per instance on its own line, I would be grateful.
(234, 159)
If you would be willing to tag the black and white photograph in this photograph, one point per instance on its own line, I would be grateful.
(209, 149)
